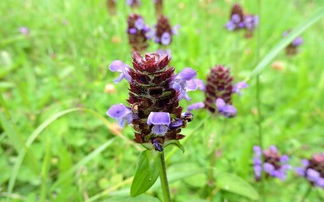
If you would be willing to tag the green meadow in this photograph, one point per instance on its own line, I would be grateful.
(58, 144)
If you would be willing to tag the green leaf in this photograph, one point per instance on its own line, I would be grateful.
(285, 41)
(235, 184)
(175, 143)
(142, 198)
(147, 172)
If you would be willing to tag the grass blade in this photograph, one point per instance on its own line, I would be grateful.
(284, 42)
(83, 162)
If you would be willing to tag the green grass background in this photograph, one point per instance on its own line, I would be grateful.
(63, 63)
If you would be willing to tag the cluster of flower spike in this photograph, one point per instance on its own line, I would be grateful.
(138, 32)
(164, 31)
(313, 170)
(154, 96)
(292, 48)
(218, 92)
(273, 164)
(239, 20)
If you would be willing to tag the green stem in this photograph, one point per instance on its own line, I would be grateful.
(308, 191)
(164, 179)
(258, 102)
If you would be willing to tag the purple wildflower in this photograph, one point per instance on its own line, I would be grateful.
(163, 31)
(138, 32)
(154, 109)
(274, 164)
(313, 170)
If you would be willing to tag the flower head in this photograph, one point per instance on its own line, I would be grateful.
(313, 170)
(219, 90)
(138, 32)
(163, 31)
(273, 164)
(155, 113)
(292, 48)
(241, 21)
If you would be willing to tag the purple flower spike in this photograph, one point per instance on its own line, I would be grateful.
(160, 122)
(166, 38)
(240, 85)
(312, 170)
(198, 105)
(119, 66)
(121, 113)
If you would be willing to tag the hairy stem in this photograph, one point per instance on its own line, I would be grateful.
(164, 179)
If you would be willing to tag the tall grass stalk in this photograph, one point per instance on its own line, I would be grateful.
(258, 98)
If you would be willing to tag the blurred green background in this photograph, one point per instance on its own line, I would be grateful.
(62, 64)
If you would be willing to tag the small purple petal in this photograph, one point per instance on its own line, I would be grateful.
(175, 29)
(236, 18)
(257, 151)
(187, 74)
(160, 129)
(166, 38)
(117, 66)
(159, 118)
(121, 113)
(157, 145)
(220, 103)
(269, 168)
(297, 41)
(240, 85)
(230, 26)
(300, 171)
(195, 106)
(257, 170)
(312, 174)
(132, 30)
(139, 24)
(273, 149)
(257, 161)
(176, 124)
(320, 182)
(305, 162)
(284, 159)
(117, 111)
(195, 84)
(228, 111)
